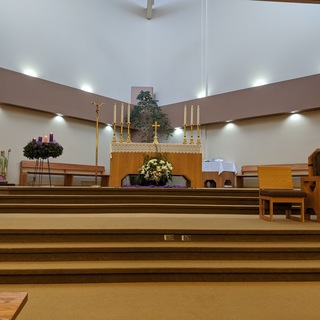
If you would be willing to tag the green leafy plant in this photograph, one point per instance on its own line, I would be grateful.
(145, 114)
(156, 170)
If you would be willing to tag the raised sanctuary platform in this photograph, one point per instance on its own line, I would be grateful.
(96, 235)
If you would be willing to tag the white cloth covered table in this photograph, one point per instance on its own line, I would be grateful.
(218, 166)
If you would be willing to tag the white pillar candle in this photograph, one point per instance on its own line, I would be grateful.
(121, 113)
(128, 112)
(185, 115)
(191, 115)
(115, 113)
(198, 115)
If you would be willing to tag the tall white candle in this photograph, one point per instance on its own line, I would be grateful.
(185, 115)
(191, 115)
(128, 112)
(198, 115)
(121, 113)
(115, 113)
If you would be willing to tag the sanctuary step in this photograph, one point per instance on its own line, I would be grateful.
(245, 192)
(90, 235)
(128, 200)
(111, 251)
(159, 271)
(131, 208)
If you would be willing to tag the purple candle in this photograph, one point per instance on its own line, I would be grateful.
(40, 139)
(51, 137)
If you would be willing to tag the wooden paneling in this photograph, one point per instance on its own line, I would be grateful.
(186, 164)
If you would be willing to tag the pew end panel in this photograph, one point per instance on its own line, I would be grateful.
(248, 178)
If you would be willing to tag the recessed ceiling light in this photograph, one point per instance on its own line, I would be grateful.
(30, 72)
(86, 88)
(201, 95)
(259, 82)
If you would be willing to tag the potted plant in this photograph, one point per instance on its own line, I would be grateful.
(145, 114)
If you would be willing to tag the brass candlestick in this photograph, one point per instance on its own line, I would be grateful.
(121, 131)
(191, 134)
(184, 134)
(128, 137)
(198, 130)
(114, 139)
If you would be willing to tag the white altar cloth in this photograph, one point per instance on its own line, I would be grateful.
(218, 166)
(150, 147)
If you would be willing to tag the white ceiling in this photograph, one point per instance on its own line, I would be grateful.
(189, 47)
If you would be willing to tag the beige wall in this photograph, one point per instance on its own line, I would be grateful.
(78, 137)
(266, 140)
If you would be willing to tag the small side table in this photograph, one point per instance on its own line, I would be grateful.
(218, 174)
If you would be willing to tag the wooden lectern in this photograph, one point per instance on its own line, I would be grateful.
(127, 158)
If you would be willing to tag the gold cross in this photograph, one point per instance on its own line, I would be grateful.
(155, 125)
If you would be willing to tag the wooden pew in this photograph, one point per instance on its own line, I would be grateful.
(67, 170)
(251, 171)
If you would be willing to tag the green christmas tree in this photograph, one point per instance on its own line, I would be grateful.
(145, 114)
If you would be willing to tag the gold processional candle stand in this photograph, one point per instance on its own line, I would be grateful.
(98, 105)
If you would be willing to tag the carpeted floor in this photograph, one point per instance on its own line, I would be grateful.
(164, 300)
(171, 301)
(150, 221)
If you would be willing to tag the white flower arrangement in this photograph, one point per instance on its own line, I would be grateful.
(156, 170)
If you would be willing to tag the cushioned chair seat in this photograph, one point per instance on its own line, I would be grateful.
(282, 193)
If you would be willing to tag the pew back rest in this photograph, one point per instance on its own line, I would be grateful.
(296, 169)
(62, 167)
(251, 171)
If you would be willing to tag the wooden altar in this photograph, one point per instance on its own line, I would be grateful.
(127, 158)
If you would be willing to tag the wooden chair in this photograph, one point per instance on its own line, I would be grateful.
(276, 186)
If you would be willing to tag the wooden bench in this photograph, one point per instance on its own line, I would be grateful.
(67, 170)
(251, 171)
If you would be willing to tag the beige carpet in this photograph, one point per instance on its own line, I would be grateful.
(165, 301)
(150, 221)
(171, 301)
